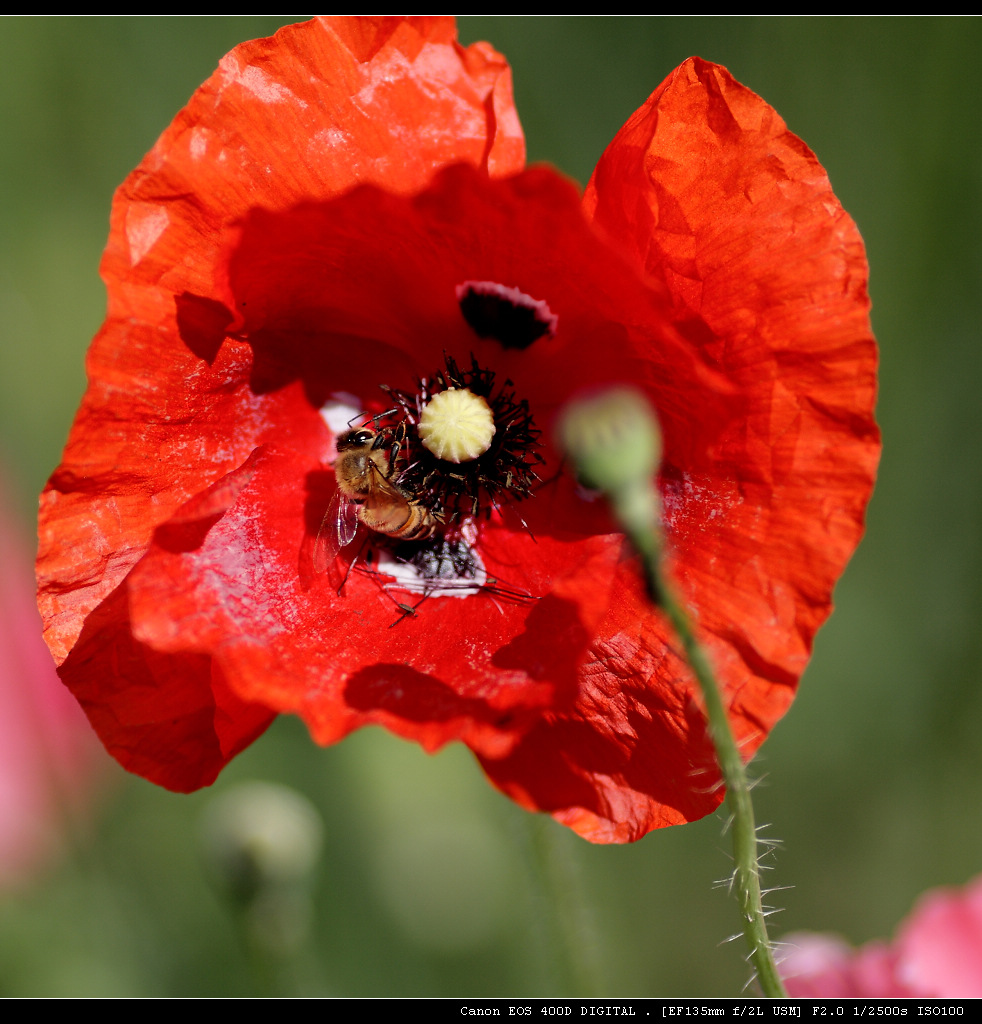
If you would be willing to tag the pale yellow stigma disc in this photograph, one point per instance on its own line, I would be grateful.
(457, 425)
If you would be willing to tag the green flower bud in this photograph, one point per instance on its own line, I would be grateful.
(613, 439)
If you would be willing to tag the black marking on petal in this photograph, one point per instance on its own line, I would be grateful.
(506, 314)
(441, 560)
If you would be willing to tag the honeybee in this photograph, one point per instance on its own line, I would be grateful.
(367, 494)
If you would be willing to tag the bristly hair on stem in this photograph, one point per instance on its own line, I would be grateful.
(615, 443)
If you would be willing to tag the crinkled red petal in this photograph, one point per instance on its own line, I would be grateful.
(632, 753)
(363, 290)
(714, 197)
(306, 114)
(168, 717)
(232, 583)
(325, 310)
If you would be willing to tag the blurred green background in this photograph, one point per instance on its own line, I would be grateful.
(425, 886)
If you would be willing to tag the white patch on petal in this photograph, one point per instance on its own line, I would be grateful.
(680, 495)
(265, 88)
(145, 223)
(332, 138)
(335, 145)
(442, 576)
(198, 147)
(339, 410)
(364, 99)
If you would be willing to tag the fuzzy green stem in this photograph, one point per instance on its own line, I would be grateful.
(747, 871)
(614, 440)
(568, 932)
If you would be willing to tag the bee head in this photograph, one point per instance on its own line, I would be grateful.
(351, 439)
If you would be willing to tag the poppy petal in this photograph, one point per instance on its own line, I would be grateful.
(767, 275)
(307, 113)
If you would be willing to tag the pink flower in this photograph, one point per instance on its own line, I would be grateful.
(937, 953)
(47, 747)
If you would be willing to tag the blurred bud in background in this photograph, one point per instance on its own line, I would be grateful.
(49, 756)
(262, 843)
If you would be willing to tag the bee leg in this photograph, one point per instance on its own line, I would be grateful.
(407, 609)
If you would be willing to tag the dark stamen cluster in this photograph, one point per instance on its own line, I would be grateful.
(505, 472)
(445, 560)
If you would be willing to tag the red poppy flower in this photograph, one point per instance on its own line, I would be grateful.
(340, 220)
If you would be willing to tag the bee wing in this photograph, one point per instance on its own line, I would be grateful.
(337, 531)
(345, 521)
(382, 484)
